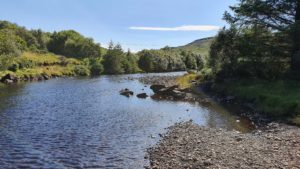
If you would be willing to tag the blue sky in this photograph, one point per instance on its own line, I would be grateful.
(136, 24)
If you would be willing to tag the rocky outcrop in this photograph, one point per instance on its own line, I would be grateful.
(156, 87)
(126, 92)
(172, 92)
(9, 78)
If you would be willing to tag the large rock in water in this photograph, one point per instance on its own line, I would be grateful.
(156, 88)
(142, 95)
(126, 92)
(9, 78)
(167, 90)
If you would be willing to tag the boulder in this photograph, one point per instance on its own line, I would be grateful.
(126, 92)
(156, 88)
(142, 95)
(9, 78)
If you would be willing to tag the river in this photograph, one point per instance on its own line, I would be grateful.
(86, 123)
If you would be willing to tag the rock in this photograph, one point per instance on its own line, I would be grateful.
(9, 78)
(156, 88)
(178, 94)
(188, 145)
(142, 95)
(126, 92)
(167, 90)
(8, 81)
(40, 78)
(46, 77)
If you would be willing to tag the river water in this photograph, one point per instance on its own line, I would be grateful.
(85, 123)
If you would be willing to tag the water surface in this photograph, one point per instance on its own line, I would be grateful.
(85, 123)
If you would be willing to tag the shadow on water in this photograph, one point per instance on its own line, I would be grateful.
(82, 123)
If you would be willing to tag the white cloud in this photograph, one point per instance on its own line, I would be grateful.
(180, 28)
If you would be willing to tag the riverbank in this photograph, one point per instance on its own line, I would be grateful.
(42, 66)
(188, 145)
(278, 99)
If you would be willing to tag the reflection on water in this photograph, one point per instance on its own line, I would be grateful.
(85, 123)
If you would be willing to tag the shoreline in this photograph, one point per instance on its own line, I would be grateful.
(187, 145)
(273, 144)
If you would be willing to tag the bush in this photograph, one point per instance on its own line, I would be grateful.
(96, 67)
(81, 70)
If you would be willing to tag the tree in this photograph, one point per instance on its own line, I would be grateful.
(41, 38)
(113, 59)
(11, 46)
(72, 44)
(130, 64)
(279, 15)
(146, 61)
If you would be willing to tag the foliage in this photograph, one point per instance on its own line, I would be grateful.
(168, 59)
(281, 18)
(186, 80)
(276, 98)
(190, 56)
(130, 63)
(258, 42)
(96, 66)
(72, 44)
(81, 70)
(113, 59)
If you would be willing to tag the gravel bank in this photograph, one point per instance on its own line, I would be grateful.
(188, 145)
(161, 80)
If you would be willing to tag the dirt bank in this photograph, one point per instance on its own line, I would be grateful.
(188, 145)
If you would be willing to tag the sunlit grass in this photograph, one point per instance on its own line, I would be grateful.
(279, 98)
(40, 59)
(185, 81)
(35, 64)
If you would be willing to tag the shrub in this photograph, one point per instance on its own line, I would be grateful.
(81, 70)
(96, 68)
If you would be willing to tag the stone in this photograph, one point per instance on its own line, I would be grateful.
(142, 95)
(126, 92)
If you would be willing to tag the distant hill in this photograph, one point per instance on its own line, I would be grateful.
(200, 46)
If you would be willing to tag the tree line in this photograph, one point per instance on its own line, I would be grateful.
(14, 40)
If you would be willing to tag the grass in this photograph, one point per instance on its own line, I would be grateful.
(279, 98)
(35, 64)
(185, 81)
(40, 59)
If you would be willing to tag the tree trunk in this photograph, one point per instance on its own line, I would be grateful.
(296, 52)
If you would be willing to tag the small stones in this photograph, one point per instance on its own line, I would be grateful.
(188, 145)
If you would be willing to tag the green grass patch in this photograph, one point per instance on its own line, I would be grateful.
(40, 59)
(279, 98)
(185, 81)
(31, 65)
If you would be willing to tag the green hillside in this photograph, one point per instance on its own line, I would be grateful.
(200, 46)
